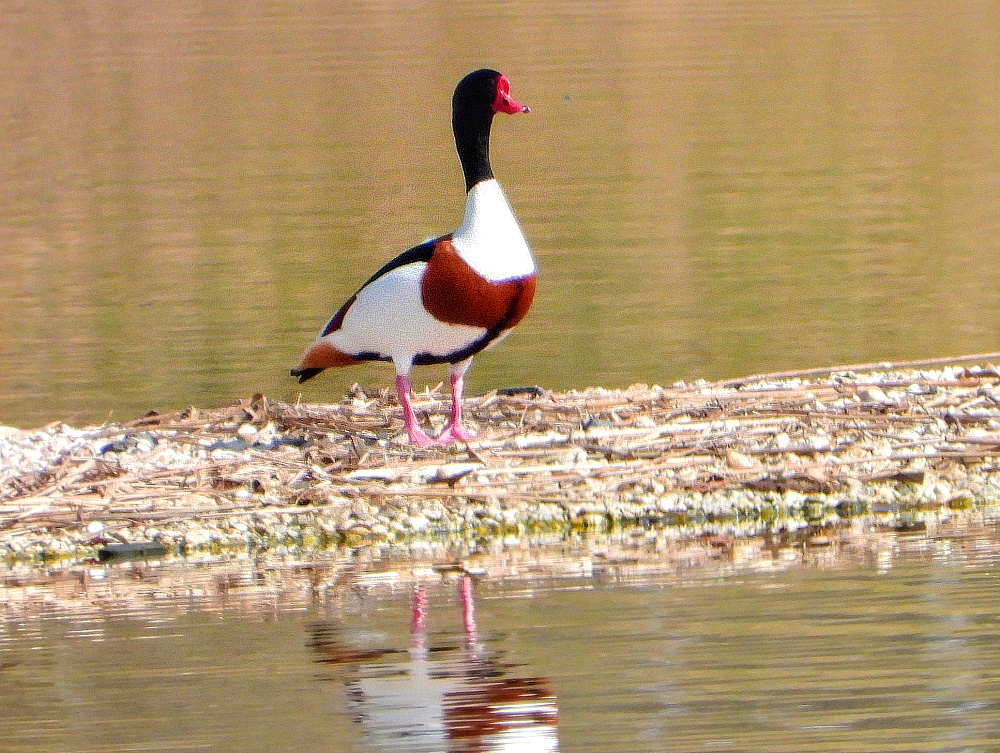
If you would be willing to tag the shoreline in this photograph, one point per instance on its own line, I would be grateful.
(288, 580)
(886, 446)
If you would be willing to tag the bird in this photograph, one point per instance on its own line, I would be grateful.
(450, 297)
(427, 698)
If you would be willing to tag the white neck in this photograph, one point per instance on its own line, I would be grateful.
(489, 238)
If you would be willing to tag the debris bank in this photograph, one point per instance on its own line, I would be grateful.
(897, 443)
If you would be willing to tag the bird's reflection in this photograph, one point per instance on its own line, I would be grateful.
(456, 699)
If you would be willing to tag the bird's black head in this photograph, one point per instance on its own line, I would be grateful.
(485, 91)
(479, 96)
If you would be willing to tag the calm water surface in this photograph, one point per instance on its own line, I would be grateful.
(713, 188)
(883, 643)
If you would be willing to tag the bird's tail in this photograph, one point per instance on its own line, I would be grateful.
(319, 356)
(305, 374)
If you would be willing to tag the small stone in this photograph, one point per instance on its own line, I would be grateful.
(119, 445)
(739, 461)
(145, 442)
(418, 522)
(874, 394)
(229, 445)
(781, 441)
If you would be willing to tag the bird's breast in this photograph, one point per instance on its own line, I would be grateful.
(489, 238)
(455, 293)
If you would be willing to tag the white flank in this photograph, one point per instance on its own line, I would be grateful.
(388, 317)
(489, 239)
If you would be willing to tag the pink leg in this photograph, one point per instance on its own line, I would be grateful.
(419, 619)
(454, 431)
(413, 430)
(419, 610)
(468, 608)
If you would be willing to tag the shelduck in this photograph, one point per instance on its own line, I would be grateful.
(445, 300)
(441, 697)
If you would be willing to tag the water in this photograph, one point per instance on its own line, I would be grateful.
(872, 643)
(188, 190)
(713, 188)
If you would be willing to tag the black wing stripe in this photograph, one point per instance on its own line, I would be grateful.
(423, 252)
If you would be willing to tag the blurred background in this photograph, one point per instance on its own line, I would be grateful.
(188, 190)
